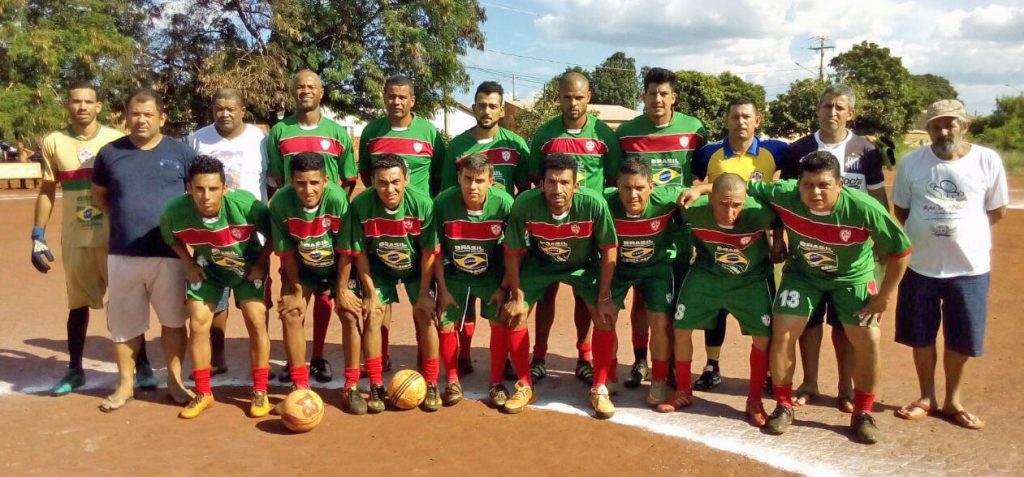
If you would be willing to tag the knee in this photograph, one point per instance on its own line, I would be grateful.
(291, 319)
(422, 319)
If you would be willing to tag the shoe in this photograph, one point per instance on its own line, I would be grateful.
(378, 398)
(498, 395)
(524, 396)
(602, 403)
(864, 427)
(433, 401)
(680, 399)
(585, 371)
(197, 405)
(658, 393)
(272, 375)
(756, 413)
(465, 366)
(538, 371)
(780, 420)
(260, 404)
(144, 378)
(74, 378)
(708, 380)
(613, 386)
(637, 374)
(510, 373)
(352, 401)
(285, 375)
(452, 394)
(320, 370)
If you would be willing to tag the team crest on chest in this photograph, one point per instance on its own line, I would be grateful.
(416, 146)
(655, 225)
(757, 176)
(684, 141)
(236, 233)
(590, 146)
(325, 144)
(84, 155)
(575, 228)
(745, 240)
(326, 222)
(496, 229)
(408, 224)
(506, 156)
(845, 235)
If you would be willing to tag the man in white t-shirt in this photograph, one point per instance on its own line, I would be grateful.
(242, 149)
(947, 195)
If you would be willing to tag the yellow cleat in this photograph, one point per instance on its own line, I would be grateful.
(602, 404)
(260, 405)
(522, 397)
(197, 405)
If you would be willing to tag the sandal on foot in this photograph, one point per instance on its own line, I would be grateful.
(110, 404)
(966, 420)
(803, 398)
(914, 411)
(844, 404)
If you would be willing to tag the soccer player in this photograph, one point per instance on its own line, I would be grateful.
(307, 130)
(742, 153)
(733, 273)
(555, 234)
(222, 227)
(394, 237)
(68, 158)
(471, 222)
(644, 224)
(668, 139)
(594, 147)
(860, 166)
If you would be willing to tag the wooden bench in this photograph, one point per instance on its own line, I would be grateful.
(20, 171)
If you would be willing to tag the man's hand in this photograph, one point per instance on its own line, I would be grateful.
(444, 300)
(871, 315)
(513, 312)
(426, 307)
(258, 271)
(41, 255)
(194, 273)
(498, 299)
(607, 310)
(688, 197)
(290, 304)
(347, 301)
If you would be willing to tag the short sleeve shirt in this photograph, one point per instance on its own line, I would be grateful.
(244, 157)
(758, 163)
(289, 137)
(507, 152)
(645, 240)
(669, 149)
(740, 252)
(471, 241)
(420, 145)
(594, 147)
(312, 233)
(859, 160)
(393, 239)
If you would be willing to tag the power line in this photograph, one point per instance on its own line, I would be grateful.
(511, 9)
(821, 54)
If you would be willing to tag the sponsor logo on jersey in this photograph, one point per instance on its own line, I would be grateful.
(317, 254)
(228, 260)
(558, 251)
(665, 176)
(470, 262)
(637, 251)
(396, 255)
(816, 256)
(732, 260)
(943, 230)
(947, 189)
(87, 214)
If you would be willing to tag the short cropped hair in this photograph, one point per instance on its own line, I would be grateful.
(659, 76)
(307, 161)
(400, 80)
(490, 87)
(635, 166)
(560, 162)
(81, 84)
(145, 95)
(228, 93)
(388, 161)
(741, 101)
(204, 164)
(839, 89)
(819, 161)
(476, 163)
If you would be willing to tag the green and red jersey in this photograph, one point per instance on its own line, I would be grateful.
(645, 240)
(669, 149)
(471, 241)
(289, 137)
(394, 239)
(594, 147)
(559, 244)
(740, 251)
(834, 249)
(312, 233)
(225, 246)
(419, 144)
(507, 152)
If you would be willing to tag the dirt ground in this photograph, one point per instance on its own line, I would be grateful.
(48, 436)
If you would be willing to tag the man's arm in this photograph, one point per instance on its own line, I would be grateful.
(99, 198)
(995, 215)
(880, 195)
(902, 214)
(877, 304)
(44, 203)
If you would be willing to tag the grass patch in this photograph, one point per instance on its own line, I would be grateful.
(1013, 160)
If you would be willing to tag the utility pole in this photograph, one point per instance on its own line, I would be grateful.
(821, 54)
(513, 86)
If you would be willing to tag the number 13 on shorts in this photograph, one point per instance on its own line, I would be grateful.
(788, 299)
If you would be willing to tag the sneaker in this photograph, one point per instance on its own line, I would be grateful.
(602, 403)
(74, 378)
(320, 370)
(260, 404)
(197, 405)
(864, 427)
(144, 378)
(524, 396)
(284, 376)
(433, 400)
(510, 373)
(585, 371)
(780, 420)
(452, 394)
(352, 401)
(465, 366)
(637, 374)
(538, 371)
(756, 413)
(708, 380)
(658, 393)
(378, 398)
(498, 395)
(680, 399)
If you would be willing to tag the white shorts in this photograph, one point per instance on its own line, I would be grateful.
(137, 282)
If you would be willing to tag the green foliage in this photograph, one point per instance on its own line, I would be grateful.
(706, 96)
(794, 113)
(1004, 128)
(615, 81)
(545, 107)
(885, 104)
(929, 88)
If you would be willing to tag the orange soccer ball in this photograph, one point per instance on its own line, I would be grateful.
(407, 389)
(303, 410)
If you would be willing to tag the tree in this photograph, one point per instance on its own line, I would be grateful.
(1004, 128)
(794, 113)
(885, 103)
(929, 88)
(706, 96)
(615, 81)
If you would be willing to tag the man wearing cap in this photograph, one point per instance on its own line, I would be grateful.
(947, 195)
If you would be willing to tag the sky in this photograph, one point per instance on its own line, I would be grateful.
(978, 46)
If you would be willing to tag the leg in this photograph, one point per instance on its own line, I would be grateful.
(545, 320)
(711, 376)
(845, 364)
(604, 357)
(786, 330)
(918, 316)
(466, 332)
(220, 322)
(964, 314)
(323, 308)
(200, 321)
(810, 353)
(124, 354)
(865, 344)
(640, 324)
(954, 364)
(518, 345)
(174, 341)
(295, 344)
(77, 328)
(448, 347)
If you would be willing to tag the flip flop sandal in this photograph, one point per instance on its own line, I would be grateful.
(110, 405)
(914, 411)
(966, 420)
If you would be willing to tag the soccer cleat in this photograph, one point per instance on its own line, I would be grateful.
(144, 378)
(498, 395)
(72, 379)
(510, 373)
(524, 396)
(602, 403)
(680, 399)
(538, 371)
(658, 393)
(780, 420)
(708, 380)
(378, 398)
(197, 405)
(260, 404)
(756, 413)
(465, 366)
(352, 401)
(864, 427)
(637, 374)
(433, 400)
(452, 394)
(320, 370)
(585, 371)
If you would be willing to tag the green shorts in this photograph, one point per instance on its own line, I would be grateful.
(463, 292)
(582, 280)
(387, 289)
(798, 295)
(656, 284)
(319, 285)
(211, 291)
(703, 295)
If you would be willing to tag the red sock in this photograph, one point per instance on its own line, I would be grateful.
(384, 332)
(431, 369)
(640, 340)
(375, 369)
(862, 401)
(498, 352)
(604, 347)
(351, 377)
(519, 349)
(466, 339)
(540, 352)
(260, 376)
(202, 377)
(683, 382)
(659, 370)
(758, 372)
(322, 309)
(448, 343)
(300, 376)
(784, 395)
(583, 352)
